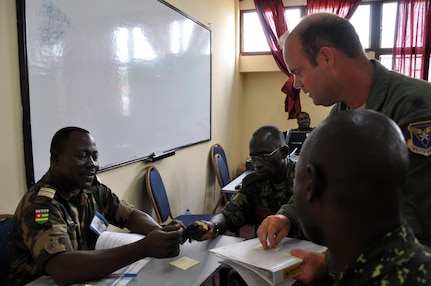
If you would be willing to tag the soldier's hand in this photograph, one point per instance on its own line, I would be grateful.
(183, 227)
(315, 267)
(273, 229)
(200, 230)
(165, 242)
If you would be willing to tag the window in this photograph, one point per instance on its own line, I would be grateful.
(375, 25)
(374, 22)
(253, 39)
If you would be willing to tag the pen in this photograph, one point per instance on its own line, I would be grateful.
(293, 152)
(130, 274)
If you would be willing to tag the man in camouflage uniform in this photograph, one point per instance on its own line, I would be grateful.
(349, 199)
(53, 222)
(262, 192)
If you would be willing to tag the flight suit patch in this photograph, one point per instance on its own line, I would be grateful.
(420, 135)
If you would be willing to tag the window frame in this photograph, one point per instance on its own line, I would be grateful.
(375, 18)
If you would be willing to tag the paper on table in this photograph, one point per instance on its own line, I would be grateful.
(184, 262)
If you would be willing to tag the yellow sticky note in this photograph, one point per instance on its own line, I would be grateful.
(184, 262)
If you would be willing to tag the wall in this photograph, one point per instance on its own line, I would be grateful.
(263, 104)
(12, 172)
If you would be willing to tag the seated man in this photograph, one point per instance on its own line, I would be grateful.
(262, 192)
(52, 234)
(348, 186)
(303, 120)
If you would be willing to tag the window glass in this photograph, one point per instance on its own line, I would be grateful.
(361, 20)
(389, 13)
(293, 16)
(253, 38)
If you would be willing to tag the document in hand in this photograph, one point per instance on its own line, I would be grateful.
(265, 267)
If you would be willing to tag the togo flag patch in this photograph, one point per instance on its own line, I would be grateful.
(41, 215)
(420, 135)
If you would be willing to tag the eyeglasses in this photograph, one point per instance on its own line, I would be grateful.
(263, 157)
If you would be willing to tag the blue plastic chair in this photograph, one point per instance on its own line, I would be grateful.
(159, 199)
(5, 247)
(222, 173)
(218, 149)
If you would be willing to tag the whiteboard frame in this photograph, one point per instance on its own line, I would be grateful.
(26, 99)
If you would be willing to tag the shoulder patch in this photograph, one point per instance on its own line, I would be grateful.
(420, 135)
(46, 192)
(41, 216)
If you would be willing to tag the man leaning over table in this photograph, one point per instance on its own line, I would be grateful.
(52, 234)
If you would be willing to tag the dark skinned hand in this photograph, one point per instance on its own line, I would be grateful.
(200, 230)
(165, 242)
(183, 227)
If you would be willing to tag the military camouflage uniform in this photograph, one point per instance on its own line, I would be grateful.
(408, 102)
(45, 224)
(397, 258)
(258, 198)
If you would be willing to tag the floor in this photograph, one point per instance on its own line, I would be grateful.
(246, 232)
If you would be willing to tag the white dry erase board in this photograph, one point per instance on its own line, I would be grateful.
(135, 73)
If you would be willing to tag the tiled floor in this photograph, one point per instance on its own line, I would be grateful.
(246, 232)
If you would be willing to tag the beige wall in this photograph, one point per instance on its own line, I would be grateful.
(263, 104)
(241, 102)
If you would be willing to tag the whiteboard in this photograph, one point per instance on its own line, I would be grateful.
(135, 73)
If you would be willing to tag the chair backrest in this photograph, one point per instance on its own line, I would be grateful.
(157, 194)
(5, 247)
(217, 149)
(222, 171)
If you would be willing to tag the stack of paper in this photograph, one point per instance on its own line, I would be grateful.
(266, 267)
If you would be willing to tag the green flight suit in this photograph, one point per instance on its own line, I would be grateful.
(407, 101)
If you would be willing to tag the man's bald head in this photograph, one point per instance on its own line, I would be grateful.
(353, 166)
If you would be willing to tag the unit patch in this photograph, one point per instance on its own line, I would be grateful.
(420, 135)
(41, 215)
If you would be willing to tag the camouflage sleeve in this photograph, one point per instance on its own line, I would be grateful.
(45, 231)
(116, 211)
(240, 211)
(234, 211)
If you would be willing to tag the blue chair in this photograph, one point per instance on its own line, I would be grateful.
(159, 199)
(5, 247)
(223, 179)
(221, 169)
(218, 149)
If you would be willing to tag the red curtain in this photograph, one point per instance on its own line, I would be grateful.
(411, 53)
(272, 19)
(343, 8)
